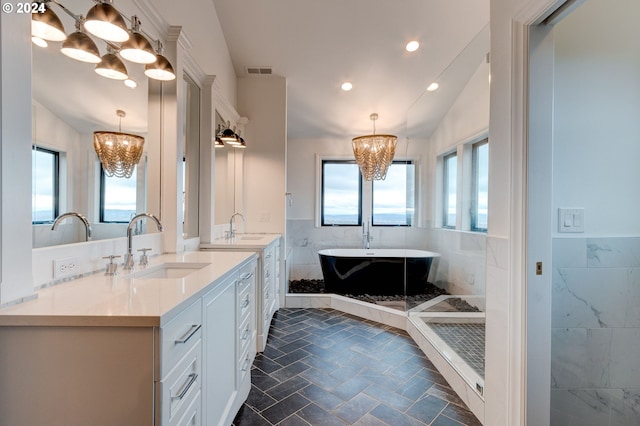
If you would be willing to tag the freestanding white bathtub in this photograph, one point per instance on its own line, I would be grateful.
(376, 271)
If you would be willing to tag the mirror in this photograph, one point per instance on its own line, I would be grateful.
(228, 179)
(191, 158)
(70, 102)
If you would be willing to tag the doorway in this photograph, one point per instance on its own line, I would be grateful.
(583, 313)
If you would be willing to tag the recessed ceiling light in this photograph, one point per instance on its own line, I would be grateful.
(412, 46)
(432, 87)
(346, 86)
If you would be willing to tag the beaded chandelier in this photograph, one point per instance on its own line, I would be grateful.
(118, 152)
(374, 153)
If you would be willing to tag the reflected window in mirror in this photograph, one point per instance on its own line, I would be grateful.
(118, 197)
(480, 186)
(45, 182)
(450, 181)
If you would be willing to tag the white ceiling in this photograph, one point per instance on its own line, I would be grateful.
(317, 45)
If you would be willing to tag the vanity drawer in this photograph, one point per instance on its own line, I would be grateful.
(193, 414)
(181, 386)
(179, 336)
(244, 363)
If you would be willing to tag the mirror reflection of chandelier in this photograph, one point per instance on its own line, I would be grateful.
(374, 153)
(118, 152)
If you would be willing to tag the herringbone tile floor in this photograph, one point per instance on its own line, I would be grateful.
(325, 367)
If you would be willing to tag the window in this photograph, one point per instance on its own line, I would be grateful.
(393, 197)
(345, 198)
(117, 197)
(450, 168)
(341, 196)
(480, 186)
(45, 172)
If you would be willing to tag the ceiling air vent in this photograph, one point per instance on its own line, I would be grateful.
(259, 70)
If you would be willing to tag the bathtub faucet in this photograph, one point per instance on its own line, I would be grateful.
(366, 235)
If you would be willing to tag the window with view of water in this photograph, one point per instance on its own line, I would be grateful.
(44, 184)
(480, 188)
(117, 197)
(450, 168)
(394, 197)
(341, 193)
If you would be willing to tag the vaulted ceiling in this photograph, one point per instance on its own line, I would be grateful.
(317, 45)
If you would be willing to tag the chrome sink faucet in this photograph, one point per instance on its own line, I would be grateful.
(232, 233)
(128, 258)
(83, 219)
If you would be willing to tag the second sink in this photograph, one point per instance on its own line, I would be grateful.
(170, 270)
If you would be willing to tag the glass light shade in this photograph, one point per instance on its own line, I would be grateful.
(374, 154)
(118, 152)
(130, 83)
(218, 143)
(161, 69)
(104, 21)
(240, 144)
(138, 49)
(47, 26)
(112, 67)
(81, 47)
(39, 42)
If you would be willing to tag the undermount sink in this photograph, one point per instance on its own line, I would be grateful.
(170, 270)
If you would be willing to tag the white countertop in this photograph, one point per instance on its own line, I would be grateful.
(99, 300)
(242, 241)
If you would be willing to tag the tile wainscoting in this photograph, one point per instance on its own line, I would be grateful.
(595, 370)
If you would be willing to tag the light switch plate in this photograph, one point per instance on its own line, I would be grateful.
(571, 220)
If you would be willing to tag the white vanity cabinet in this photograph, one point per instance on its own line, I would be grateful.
(192, 368)
(226, 313)
(268, 278)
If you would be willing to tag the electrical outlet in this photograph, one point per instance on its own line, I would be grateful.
(65, 267)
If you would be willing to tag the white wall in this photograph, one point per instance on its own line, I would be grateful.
(15, 158)
(596, 109)
(264, 102)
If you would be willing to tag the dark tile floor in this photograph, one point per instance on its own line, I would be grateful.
(325, 367)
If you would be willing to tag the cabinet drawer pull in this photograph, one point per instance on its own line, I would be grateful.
(245, 303)
(246, 276)
(193, 330)
(245, 364)
(268, 256)
(245, 333)
(267, 274)
(192, 379)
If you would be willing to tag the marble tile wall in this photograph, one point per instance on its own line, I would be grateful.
(461, 268)
(595, 338)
